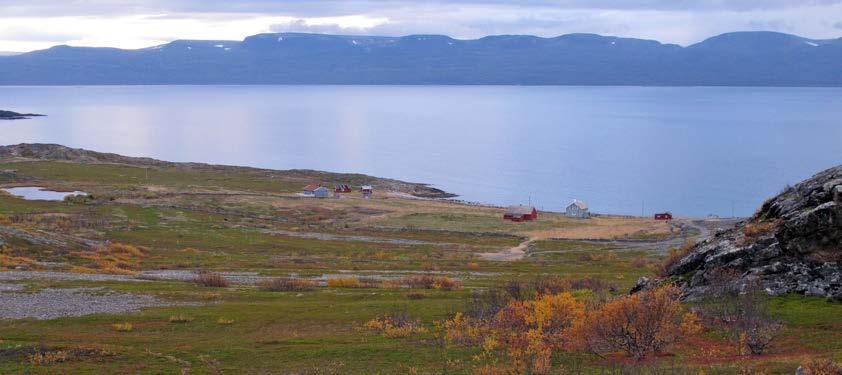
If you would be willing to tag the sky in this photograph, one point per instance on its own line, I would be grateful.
(27, 25)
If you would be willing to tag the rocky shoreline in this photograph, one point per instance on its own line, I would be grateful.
(38, 151)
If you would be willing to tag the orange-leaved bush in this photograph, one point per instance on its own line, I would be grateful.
(529, 332)
(639, 324)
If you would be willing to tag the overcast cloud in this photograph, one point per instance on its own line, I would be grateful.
(34, 24)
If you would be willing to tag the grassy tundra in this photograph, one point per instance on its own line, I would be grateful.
(296, 285)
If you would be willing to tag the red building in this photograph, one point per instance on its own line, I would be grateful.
(663, 216)
(520, 212)
(342, 188)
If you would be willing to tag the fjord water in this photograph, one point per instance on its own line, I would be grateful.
(694, 150)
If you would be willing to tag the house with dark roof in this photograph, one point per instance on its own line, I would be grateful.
(577, 209)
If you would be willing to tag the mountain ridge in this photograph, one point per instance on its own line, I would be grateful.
(730, 59)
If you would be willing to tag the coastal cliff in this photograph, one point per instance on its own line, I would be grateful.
(793, 244)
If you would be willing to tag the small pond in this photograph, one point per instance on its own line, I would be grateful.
(40, 194)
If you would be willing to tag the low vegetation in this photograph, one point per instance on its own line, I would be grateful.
(211, 279)
(287, 284)
(401, 285)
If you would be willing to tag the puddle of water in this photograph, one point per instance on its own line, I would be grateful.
(40, 194)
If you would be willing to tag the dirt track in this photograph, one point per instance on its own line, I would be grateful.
(703, 229)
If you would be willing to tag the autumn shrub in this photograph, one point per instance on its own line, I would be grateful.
(556, 285)
(483, 305)
(431, 282)
(821, 367)
(180, 318)
(742, 310)
(529, 332)
(592, 284)
(343, 282)
(396, 323)
(42, 356)
(760, 228)
(115, 258)
(211, 279)
(551, 285)
(526, 334)
(8, 259)
(122, 327)
(286, 284)
(640, 324)
(461, 329)
(370, 282)
(515, 289)
(640, 263)
(48, 357)
(416, 295)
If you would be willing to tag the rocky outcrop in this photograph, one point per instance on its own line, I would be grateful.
(9, 115)
(793, 244)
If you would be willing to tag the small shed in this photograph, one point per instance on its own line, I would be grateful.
(577, 209)
(664, 216)
(311, 189)
(342, 188)
(367, 191)
(321, 192)
(521, 212)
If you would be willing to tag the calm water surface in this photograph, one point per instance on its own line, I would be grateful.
(694, 151)
(40, 194)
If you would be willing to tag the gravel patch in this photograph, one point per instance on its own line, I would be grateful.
(241, 278)
(63, 276)
(60, 303)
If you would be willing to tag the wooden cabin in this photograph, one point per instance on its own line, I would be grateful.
(664, 216)
(577, 209)
(367, 191)
(521, 212)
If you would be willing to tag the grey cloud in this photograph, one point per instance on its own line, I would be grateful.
(300, 26)
(314, 8)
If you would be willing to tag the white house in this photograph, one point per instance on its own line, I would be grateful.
(577, 209)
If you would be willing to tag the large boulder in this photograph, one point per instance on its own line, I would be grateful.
(793, 244)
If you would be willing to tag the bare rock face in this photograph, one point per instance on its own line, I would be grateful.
(793, 244)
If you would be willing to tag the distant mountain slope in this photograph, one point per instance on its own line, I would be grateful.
(743, 58)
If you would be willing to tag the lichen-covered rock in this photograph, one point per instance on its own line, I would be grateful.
(793, 244)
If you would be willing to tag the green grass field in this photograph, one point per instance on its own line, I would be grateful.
(241, 329)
